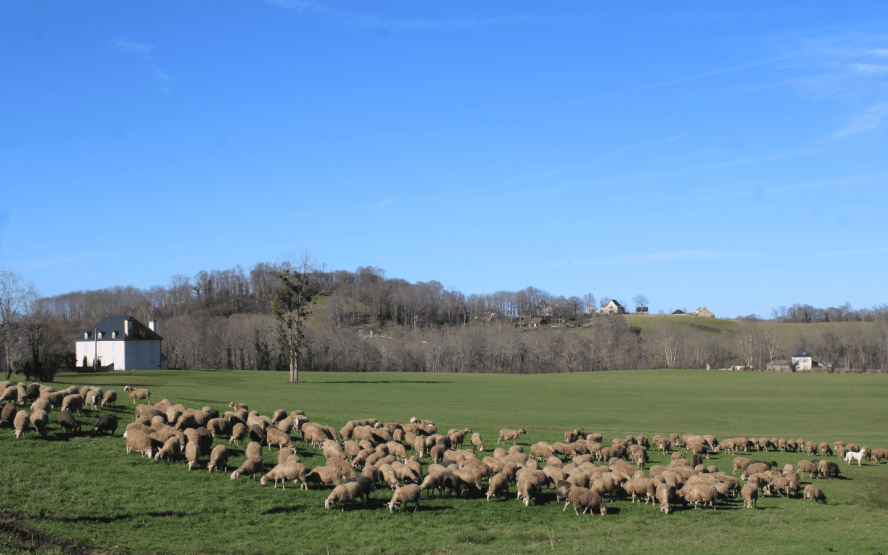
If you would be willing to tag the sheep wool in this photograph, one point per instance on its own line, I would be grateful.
(21, 424)
(218, 458)
(408, 494)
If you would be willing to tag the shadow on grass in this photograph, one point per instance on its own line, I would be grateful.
(430, 382)
(96, 519)
(282, 510)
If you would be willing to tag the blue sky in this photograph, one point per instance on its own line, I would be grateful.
(731, 156)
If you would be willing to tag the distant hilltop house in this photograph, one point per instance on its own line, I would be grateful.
(678, 311)
(701, 311)
(122, 343)
(613, 307)
(641, 310)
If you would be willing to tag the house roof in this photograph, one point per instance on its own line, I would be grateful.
(138, 332)
(535, 321)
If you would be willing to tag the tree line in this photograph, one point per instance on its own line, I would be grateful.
(224, 319)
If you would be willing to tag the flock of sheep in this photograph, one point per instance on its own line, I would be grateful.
(367, 454)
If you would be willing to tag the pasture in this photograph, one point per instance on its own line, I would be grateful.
(88, 490)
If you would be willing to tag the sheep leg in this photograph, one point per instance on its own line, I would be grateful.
(565, 506)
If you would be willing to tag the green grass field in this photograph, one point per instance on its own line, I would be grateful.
(88, 490)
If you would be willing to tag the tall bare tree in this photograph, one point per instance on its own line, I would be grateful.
(17, 294)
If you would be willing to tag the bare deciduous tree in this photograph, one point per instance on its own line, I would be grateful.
(17, 294)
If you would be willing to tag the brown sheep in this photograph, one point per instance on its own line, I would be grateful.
(506, 435)
(814, 493)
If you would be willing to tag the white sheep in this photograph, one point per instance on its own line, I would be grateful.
(218, 458)
(21, 424)
(172, 449)
(290, 470)
(506, 435)
(139, 441)
(344, 493)
(249, 468)
(408, 494)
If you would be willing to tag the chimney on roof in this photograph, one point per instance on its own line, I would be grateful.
(127, 327)
(152, 325)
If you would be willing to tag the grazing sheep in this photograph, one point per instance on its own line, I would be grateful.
(499, 484)
(73, 403)
(507, 435)
(324, 475)
(171, 449)
(750, 495)
(39, 419)
(529, 487)
(586, 498)
(237, 406)
(238, 433)
(138, 393)
(825, 449)
(807, 466)
(407, 494)
(192, 454)
(218, 458)
(106, 423)
(249, 468)
(41, 404)
(697, 494)
(141, 442)
(344, 493)
(66, 420)
(811, 448)
(641, 487)
(110, 398)
(21, 423)
(277, 438)
(814, 493)
(476, 441)
(879, 454)
(828, 469)
(289, 471)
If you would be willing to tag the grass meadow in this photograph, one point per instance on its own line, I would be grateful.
(89, 491)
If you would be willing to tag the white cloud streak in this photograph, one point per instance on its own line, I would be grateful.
(656, 258)
(144, 51)
(874, 118)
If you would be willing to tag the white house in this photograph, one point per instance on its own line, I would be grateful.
(123, 343)
(613, 307)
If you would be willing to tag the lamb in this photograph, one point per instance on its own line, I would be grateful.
(814, 493)
(325, 475)
(750, 495)
(249, 468)
(110, 398)
(407, 494)
(586, 498)
(344, 493)
(72, 403)
(66, 420)
(39, 419)
(218, 458)
(21, 423)
(144, 444)
(171, 449)
(106, 423)
(138, 393)
(506, 435)
(290, 470)
(476, 441)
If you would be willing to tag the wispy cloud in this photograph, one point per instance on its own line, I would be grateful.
(656, 258)
(874, 118)
(854, 253)
(384, 203)
(145, 52)
(366, 20)
(62, 259)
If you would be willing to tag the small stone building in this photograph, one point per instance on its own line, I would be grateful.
(613, 307)
(701, 311)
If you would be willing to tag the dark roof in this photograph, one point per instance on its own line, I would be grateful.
(139, 331)
(536, 321)
(616, 303)
(678, 311)
(801, 353)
